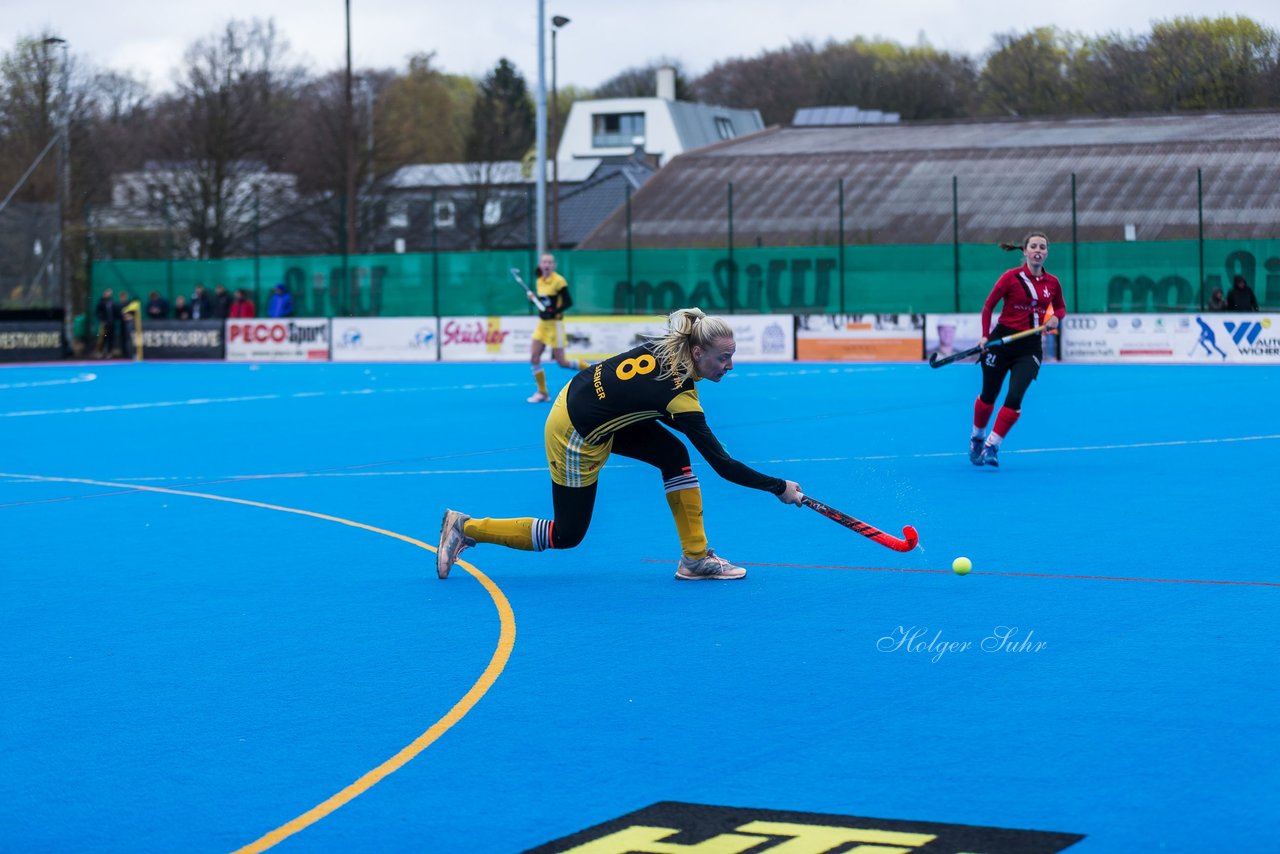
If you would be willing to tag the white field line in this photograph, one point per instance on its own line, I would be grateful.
(205, 401)
(1222, 440)
(78, 378)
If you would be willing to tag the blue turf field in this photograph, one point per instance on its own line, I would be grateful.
(184, 673)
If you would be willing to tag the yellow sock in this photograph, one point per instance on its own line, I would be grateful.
(686, 509)
(583, 364)
(540, 377)
(525, 533)
(512, 533)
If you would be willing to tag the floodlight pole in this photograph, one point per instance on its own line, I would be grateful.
(349, 145)
(540, 179)
(64, 190)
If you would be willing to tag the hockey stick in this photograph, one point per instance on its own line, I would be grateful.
(868, 531)
(533, 298)
(935, 362)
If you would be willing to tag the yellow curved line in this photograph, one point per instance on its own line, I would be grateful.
(506, 642)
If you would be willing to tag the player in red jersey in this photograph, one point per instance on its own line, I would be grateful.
(1032, 296)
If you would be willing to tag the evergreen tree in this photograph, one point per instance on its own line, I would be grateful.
(502, 119)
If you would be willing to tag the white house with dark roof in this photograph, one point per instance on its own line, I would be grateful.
(609, 147)
(663, 126)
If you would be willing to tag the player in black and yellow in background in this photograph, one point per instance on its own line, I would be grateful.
(553, 294)
(131, 326)
(625, 405)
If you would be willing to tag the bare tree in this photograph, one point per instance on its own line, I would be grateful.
(642, 82)
(223, 133)
(114, 118)
(776, 83)
(29, 81)
(918, 82)
(1112, 75)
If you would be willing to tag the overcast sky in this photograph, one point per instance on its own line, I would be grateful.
(603, 38)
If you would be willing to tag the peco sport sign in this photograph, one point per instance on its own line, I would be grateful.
(304, 339)
(670, 826)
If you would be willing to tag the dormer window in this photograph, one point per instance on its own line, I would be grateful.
(615, 130)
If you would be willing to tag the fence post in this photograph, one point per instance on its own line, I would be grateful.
(435, 258)
(840, 194)
(344, 287)
(168, 246)
(732, 278)
(955, 234)
(257, 247)
(630, 270)
(88, 274)
(1075, 251)
(1200, 234)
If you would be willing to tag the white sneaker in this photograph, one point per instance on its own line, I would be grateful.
(452, 541)
(539, 397)
(711, 567)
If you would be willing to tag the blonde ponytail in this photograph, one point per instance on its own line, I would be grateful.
(686, 328)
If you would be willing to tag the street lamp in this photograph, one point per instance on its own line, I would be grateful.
(349, 152)
(557, 21)
(64, 188)
(540, 144)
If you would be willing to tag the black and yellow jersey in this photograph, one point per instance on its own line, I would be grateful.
(625, 389)
(553, 291)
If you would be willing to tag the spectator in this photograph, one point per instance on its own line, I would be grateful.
(181, 310)
(221, 303)
(1216, 301)
(157, 306)
(1241, 297)
(281, 302)
(108, 317)
(242, 306)
(201, 306)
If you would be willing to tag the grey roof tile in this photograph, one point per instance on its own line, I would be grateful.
(1011, 176)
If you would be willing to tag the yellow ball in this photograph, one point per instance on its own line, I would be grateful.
(961, 565)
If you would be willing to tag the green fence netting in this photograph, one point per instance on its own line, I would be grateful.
(1096, 277)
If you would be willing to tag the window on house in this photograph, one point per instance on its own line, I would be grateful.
(445, 214)
(493, 212)
(398, 214)
(616, 130)
(724, 127)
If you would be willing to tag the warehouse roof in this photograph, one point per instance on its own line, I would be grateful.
(1156, 174)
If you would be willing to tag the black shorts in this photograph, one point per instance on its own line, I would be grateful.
(1006, 354)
